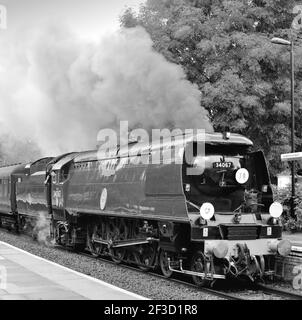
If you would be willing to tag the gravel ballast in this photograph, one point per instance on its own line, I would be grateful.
(144, 284)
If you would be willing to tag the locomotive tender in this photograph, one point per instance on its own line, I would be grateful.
(221, 222)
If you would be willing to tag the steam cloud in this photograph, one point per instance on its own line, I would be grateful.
(41, 228)
(57, 92)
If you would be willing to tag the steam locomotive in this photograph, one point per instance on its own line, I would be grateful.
(219, 222)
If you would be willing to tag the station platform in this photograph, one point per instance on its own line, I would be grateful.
(24, 276)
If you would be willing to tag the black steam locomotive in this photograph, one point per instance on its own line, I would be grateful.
(210, 215)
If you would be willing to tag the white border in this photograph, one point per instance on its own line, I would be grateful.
(78, 273)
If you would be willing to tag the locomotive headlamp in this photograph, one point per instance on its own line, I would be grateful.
(207, 211)
(276, 209)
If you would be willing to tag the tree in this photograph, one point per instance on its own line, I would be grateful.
(224, 48)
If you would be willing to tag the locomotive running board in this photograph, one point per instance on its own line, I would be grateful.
(193, 273)
(126, 243)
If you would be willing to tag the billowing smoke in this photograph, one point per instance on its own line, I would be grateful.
(58, 91)
(41, 228)
(15, 149)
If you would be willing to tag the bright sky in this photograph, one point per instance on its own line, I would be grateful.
(89, 18)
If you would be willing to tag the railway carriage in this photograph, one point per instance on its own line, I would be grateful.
(8, 204)
(220, 221)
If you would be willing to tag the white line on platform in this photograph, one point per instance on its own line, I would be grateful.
(78, 273)
(1, 258)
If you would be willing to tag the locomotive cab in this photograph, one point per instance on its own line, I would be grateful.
(58, 173)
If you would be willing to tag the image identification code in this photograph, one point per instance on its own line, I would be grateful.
(152, 309)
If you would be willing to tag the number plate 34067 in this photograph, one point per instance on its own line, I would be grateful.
(225, 165)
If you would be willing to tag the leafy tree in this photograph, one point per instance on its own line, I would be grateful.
(224, 47)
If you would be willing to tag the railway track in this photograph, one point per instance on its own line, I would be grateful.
(279, 292)
(211, 291)
(214, 292)
(225, 293)
(233, 295)
(257, 289)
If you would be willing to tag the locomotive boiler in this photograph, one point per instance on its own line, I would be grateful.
(220, 221)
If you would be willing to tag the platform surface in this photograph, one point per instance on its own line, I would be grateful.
(24, 276)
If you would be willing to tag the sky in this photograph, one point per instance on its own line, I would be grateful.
(67, 71)
(90, 19)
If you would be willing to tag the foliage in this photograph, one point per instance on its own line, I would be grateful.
(224, 47)
(290, 222)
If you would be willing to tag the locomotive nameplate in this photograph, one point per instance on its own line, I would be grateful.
(220, 165)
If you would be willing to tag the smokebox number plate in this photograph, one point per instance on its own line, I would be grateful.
(222, 165)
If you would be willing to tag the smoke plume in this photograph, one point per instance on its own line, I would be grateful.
(58, 91)
(41, 228)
